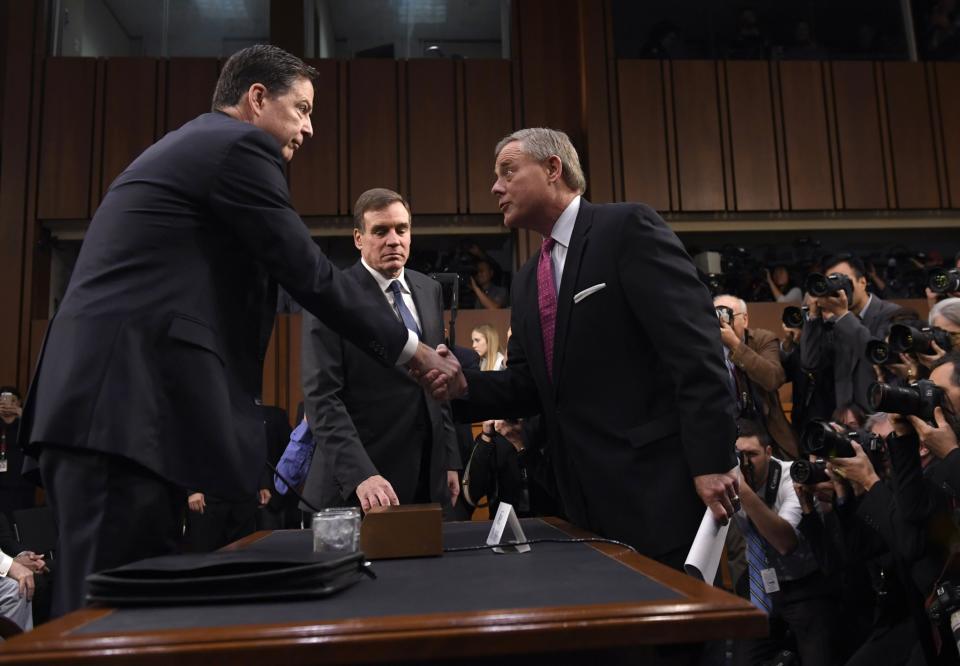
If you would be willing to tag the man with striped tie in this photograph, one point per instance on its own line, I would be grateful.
(782, 577)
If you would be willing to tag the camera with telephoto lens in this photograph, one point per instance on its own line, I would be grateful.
(942, 281)
(818, 284)
(809, 473)
(919, 399)
(725, 314)
(878, 353)
(906, 339)
(820, 439)
(944, 610)
(794, 317)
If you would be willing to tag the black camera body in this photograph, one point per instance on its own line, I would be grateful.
(818, 284)
(905, 339)
(919, 399)
(943, 281)
(821, 440)
(878, 353)
(794, 317)
(809, 473)
(725, 314)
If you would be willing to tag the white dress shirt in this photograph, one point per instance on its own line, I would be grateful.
(562, 232)
(384, 284)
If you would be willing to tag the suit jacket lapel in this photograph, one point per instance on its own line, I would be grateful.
(568, 283)
(428, 322)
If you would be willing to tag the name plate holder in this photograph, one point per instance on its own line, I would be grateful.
(507, 517)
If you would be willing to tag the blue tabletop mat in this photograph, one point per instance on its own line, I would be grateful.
(552, 574)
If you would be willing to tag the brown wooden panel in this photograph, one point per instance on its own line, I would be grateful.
(67, 121)
(911, 135)
(372, 108)
(314, 171)
(858, 135)
(129, 113)
(190, 86)
(697, 121)
(643, 141)
(752, 138)
(549, 55)
(488, 101)
(431, 127)
(948, 92)
(598, 94)
(805, 136)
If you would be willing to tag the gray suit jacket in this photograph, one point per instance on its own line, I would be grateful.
(364, 416)
(843, 345)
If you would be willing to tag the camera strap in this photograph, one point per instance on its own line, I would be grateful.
(774, 474)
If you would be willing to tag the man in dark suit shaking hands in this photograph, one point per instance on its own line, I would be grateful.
(149, 378)
(614, 342)
(380, 439)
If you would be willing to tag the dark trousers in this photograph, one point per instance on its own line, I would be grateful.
(222, 522)
(807, 609)
(110, 511)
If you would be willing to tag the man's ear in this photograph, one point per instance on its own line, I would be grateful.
(554, 169)
(357, 239)
(255, 98)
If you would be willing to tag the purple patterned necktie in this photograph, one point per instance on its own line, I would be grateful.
(547, 298)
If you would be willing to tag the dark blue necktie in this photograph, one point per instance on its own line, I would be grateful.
(402, 308)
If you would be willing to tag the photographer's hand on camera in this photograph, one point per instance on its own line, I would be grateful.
(940, 440)
(908, 369)
(833, 307)
(928, 360)
(728, 336)
(858, 470)
(791, 336)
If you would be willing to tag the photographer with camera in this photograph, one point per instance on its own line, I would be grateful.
(813, 388)
(848, 318)
(752, 358)
(783, 577)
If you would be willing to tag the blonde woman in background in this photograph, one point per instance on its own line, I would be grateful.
(486, 342)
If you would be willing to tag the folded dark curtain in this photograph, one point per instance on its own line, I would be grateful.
(226, 577)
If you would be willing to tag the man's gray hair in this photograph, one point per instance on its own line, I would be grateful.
(948, 308)
(874, 419)
(740, 301)
(541, 143)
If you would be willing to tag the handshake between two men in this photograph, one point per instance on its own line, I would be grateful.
(440, 373)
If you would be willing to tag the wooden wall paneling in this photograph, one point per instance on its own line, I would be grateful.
(835, 169)
(19, 106)
(599, 94)
(911, 135)
(190, 83)
(96, 151)
(643, 135)
(666, 73)
(488, 102)
(344, 205)
(723, 109)
(783, 180)
(805, 135)
(373, 150)
(67, 119)
(752, 136)
(551, 66)
(948, 94)
(933, 99)
(698, 146)
(129, 113)
(403, 134)
(859, 137)
(885, 136)
(432, 134)
(314, 173)
(460, 96)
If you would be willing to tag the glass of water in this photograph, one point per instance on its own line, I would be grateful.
(336, 529)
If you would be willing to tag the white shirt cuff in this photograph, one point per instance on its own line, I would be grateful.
(5, 563)
(410, 348)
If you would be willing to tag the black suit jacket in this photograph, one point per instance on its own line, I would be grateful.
(363, 416)
(156, 352)
(639, 402)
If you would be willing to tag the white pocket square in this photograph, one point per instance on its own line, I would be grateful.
(579, 296)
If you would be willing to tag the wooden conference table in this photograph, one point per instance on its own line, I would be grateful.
(560, 603)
